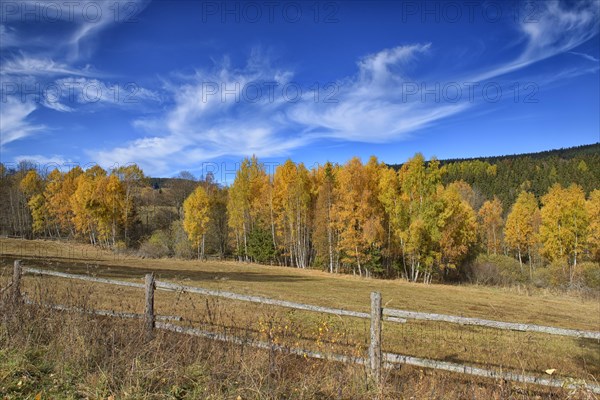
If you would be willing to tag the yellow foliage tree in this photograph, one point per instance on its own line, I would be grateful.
(292, 202)
(195, 218)
(133, 179)
(358, 215)
(325, 235)
(565, 224)
(249, 204)
(32, 185)
(86, 203)
(420, 186)
(593, 211)
(490, 222)
(522, 226)
(458, 226)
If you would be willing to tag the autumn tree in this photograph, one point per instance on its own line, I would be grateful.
(133, 180)
(490, 223)
(217, 231)
(359, 215)
(195, 220)
(52, 192)
(60, 200)
(473, 197)
(86, 203)
(32, 186)
(593, 211)
(564, 228)
(522, 226)
(112, 208)
(458, 229)
(420, 184)
(396, 214)
(325, 235)
(246, 206)
(292, 202)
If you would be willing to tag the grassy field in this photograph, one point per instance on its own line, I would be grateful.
(517, 351)
(315, 287)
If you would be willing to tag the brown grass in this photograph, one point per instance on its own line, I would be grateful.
(518, 351)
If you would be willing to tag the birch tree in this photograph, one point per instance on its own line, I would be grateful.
(195, 218)
(565, 224)
(522, 227)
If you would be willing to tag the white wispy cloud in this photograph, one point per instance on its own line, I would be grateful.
(109, 12)
(555, 28)
(371, 106)
(84, 18)
(26, 65)
(76, 91)
(202, 126)
(15, 122)
(61, 82)
(202, 123)
(44, 163)
(586, 56)
(8, 37)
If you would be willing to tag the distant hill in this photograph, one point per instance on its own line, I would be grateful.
(562, 153)
(506, 176)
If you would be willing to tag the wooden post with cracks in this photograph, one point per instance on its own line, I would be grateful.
(149, 318)
(375, 362)
(16, 282)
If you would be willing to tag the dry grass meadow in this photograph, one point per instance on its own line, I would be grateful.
(65, 355)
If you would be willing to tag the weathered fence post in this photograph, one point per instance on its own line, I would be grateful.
(16, 282)
(375, 345)
(149, 311)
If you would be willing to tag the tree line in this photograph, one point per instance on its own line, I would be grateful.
(367, 219)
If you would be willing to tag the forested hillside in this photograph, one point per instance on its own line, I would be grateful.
(505, 176)
(531, 218)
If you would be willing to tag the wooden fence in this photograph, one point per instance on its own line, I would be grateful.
(376, 360)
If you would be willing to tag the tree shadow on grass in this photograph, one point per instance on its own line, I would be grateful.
(114, 271)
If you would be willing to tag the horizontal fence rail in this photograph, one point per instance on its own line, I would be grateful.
(102, 313)
(387, 360)
(273, 302)
(566, 383)
(215, 293)
(514, 326)
(260, 344)
(37, 271)
(390, 314)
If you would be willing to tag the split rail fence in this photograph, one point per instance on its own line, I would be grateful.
(376, 359)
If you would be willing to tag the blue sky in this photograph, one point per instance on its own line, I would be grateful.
(197, 85)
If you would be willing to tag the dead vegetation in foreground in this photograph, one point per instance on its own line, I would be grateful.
(46, 354)
(72, 356)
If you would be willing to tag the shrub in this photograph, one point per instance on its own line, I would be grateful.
(156, 246)
(120, 247)
(590, 272)
(497, 270)
(182, 247)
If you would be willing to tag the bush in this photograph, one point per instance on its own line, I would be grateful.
(590, 273)
(587, 276)
(182, 247)
(120, 247)
(497, 270)
(156, 246)
(553, 275)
